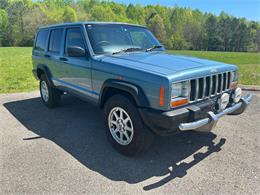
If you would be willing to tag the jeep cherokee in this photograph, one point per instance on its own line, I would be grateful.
(142, 90)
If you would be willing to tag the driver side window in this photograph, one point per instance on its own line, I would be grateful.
(74, 38)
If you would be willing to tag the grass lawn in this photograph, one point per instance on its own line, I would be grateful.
(16, 66)
(16, 70)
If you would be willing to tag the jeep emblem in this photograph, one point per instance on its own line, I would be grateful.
(213, 70)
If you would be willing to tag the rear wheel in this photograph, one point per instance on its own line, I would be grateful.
(124, 127)
(49, 95)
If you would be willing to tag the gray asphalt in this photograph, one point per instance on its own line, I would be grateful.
(64, 150)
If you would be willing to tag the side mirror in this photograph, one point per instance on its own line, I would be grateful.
(75, 51)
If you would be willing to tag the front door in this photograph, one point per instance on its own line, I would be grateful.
(76, 71)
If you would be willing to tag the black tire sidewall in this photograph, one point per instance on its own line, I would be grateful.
(139, 141)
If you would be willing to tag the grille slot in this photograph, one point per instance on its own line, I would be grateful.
(201, 88)
(229, 79)
(224, 81)
(208, 86)
(220, 83)
(193, 90)
(204, 87)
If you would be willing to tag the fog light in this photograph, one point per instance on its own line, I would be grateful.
(223, 101)
(237, 95)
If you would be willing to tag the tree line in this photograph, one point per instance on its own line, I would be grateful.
(175, 27)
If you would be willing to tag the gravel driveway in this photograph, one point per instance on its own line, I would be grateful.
(64, 150)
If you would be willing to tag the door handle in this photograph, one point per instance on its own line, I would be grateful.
(47, 55)
(63, 59)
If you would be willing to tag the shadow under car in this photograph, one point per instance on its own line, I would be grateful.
(77, 127)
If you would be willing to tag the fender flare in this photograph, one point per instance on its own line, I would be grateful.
(46, 71)
(135, 91)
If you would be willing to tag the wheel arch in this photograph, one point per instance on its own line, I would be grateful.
(43, 69)
(112, 87)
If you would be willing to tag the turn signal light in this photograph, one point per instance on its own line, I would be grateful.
(161, 96)
(179, 102)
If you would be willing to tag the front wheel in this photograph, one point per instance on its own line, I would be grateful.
(124, 127)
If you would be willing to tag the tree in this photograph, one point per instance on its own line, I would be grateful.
(214, 40)
(157, 27)
(175, 27)
(102, 13)
(69, 15)
(3, 4)
(16, 11)
(258, 38)
(135, 13)
(225, 30)
(32, 21)
(3, 24)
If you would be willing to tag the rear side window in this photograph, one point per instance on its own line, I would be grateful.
(55, 40)
(74, 38)
(41, 40)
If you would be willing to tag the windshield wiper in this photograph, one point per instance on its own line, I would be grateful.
(153, 48)
(130, 49)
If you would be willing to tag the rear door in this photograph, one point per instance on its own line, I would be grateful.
(40, 48)
(76, 72)
(54, 52)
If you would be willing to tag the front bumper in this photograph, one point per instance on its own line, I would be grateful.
(209, 122)
(199, 117)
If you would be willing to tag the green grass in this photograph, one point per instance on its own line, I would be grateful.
(248, 63)
(16, 70)
(16, 66)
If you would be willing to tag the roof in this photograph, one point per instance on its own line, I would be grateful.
(88, 22)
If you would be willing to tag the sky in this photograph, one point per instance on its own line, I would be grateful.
(249, 9)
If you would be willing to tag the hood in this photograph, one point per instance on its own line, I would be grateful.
(166, 64)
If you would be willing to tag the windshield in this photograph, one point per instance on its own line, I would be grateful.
(113, 38)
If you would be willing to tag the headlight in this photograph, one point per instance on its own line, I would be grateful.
(234, 76)
(180, 93)
(234, 80)
(181, 89)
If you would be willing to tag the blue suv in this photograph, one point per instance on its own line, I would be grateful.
(143, 90)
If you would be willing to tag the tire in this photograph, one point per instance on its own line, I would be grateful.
(49, 95)
(138, 138)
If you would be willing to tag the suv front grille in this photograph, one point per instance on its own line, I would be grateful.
(212, 85)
